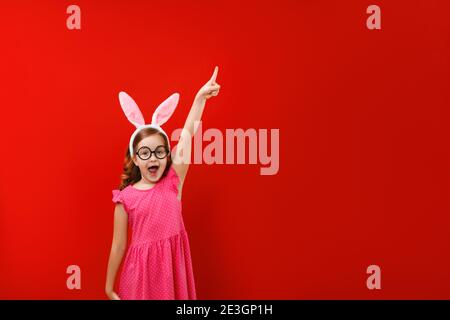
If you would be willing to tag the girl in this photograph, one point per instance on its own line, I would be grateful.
(157, 264)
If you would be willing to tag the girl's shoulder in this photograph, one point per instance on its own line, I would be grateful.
(172, 174)
(121, 195)
(172, 178)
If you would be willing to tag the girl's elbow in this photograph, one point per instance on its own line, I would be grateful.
(119, 247)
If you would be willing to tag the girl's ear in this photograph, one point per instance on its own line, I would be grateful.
(131, 109)
(134, 159)
(165, 110)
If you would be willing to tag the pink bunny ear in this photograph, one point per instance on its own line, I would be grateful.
(131, 109)
(165, 110)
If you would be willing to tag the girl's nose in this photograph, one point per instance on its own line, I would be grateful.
(153, 157)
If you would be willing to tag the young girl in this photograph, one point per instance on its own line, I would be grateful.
(157, 264)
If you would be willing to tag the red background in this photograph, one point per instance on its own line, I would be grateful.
(364, 158)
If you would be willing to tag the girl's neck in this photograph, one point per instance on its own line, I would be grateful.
(144, 184)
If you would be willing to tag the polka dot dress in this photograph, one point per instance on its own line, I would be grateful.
(157, 264)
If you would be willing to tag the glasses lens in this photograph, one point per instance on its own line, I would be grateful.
(161, 152)
(144, 153)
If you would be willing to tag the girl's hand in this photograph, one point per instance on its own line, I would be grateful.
(211, 88)
(112, 295)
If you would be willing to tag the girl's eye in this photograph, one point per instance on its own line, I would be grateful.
(161, 153)
(144, 153)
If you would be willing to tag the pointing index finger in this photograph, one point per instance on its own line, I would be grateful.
(214, 76)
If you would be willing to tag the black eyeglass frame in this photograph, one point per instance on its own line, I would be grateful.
(153, 152)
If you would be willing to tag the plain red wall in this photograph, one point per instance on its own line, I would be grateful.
(364, 155)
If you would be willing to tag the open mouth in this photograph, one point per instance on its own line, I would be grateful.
(153, 169)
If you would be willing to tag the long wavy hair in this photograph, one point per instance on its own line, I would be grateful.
(131, 173)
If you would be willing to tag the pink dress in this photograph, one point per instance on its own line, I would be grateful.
(158, 263)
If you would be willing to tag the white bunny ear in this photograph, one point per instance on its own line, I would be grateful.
(131, 109)
(165, 110)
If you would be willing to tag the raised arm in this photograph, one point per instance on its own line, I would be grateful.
(182, 151)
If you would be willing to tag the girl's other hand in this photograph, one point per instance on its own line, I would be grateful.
(112, 295)
(211, 88)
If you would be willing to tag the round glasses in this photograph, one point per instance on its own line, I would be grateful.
(145, 153)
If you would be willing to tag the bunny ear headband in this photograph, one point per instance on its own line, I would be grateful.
(160, 116)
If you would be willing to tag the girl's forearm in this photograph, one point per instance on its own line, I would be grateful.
(115, 258)
(195, 114)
